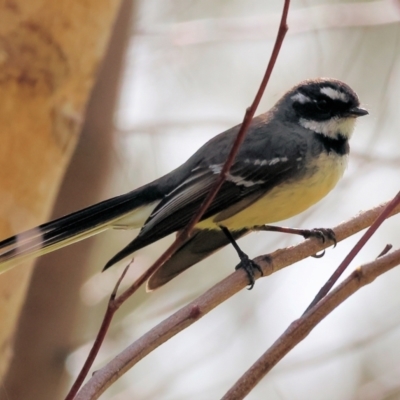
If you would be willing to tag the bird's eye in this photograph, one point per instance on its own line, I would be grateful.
(322, 105)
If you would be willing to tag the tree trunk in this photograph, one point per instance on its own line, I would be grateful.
(49, 54)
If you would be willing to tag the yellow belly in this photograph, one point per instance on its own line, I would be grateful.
(289, 199)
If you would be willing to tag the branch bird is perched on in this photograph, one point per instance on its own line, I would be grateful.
(293, 155)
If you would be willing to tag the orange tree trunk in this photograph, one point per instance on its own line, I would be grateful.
(49, 54)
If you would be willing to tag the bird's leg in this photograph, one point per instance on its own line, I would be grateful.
(320, 233)
(245, 262)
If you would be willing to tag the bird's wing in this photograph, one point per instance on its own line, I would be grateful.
(200, 245)
(245, 183)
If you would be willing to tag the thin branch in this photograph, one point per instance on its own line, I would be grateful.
(354, 251)
(298, 330)
(114, 305)
(98, 341)
(212, 298)
(334, 353)
(386, 250)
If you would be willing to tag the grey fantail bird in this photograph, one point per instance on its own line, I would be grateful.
(293, 156)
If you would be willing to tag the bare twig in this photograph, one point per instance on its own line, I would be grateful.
(386, 250)
(114, 305)
(98, 341)
(335, 353)
(213, 297)
(298, 330)
(355, 250)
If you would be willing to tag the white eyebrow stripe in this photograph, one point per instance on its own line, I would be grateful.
(334, 94)
(301, 98)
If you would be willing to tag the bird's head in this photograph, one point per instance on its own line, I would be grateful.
(325, 106)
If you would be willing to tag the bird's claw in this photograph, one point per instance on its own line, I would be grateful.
(249, 267)
(322, 234)
(320, 255)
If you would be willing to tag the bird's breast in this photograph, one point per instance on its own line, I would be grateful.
(288, 198)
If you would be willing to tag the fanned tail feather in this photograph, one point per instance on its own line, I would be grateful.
(66, 230)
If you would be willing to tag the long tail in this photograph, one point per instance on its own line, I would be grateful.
(116, 212)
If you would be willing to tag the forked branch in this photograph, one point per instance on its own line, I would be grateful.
(299, 329)
(215, 296)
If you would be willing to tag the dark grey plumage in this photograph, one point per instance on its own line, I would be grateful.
(282, 147)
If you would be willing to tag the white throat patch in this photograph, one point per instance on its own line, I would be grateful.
(330, 128)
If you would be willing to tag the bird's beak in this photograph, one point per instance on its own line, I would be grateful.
(357, 112)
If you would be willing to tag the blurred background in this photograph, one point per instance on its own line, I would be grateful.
(177, 73)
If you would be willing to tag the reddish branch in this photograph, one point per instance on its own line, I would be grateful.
(354, 251)
(212, 298)
(298, 330)
(98, 341)
(114, 304)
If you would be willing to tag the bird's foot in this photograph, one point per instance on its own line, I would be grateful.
(322, 234)
(249, 266)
